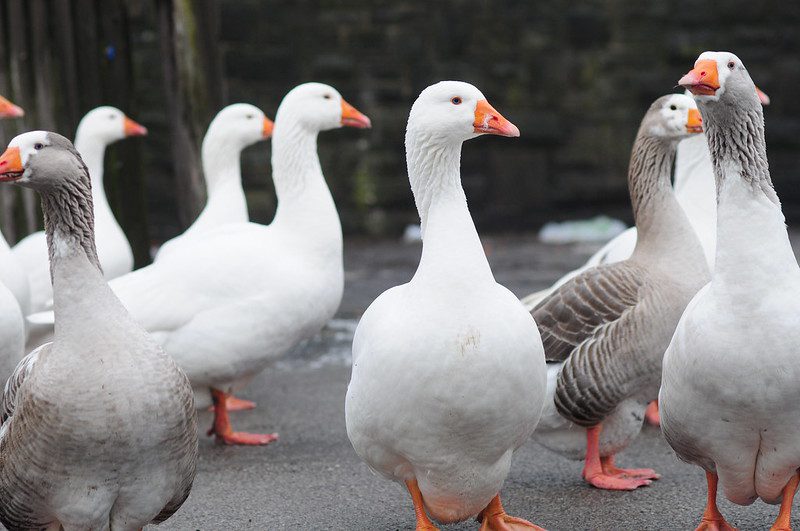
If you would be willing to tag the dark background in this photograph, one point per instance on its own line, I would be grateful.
(575, 77)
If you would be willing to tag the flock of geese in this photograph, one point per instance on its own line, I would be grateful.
(696, 308)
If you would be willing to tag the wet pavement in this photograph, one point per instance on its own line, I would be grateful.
(312, 479)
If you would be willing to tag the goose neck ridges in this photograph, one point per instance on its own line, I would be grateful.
(649, 174)
(751, 228)
(738, 150)
(69, 221)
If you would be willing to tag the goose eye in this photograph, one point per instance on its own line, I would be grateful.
(731, 64)
(673, 107)
(249, 116)
(456, 101)
(111, 117)
(327, 96)
(37, 146)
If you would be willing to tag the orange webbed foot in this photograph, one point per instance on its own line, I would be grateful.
(600, 472)
(607, 482)
(247, 439)
(495, 518)
(222, 425)
(610, 469)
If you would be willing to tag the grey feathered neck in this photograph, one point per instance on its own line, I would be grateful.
(650, 170)
(735, 136)
(69, 214)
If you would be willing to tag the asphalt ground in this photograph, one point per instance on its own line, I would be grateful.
(312, 479)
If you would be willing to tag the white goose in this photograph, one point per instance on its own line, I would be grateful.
(233, 128)
(605, 330)
(14, 292)
(99, 128)
(228, 303)
(416, 410)
(696, 192)
(98, 429)
(730, 375)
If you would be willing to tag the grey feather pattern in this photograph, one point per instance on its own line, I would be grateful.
(593, 299)
(587, 323)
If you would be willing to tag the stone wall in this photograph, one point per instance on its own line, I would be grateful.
(575, 77)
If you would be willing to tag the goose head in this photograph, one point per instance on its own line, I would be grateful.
(454, 111)
(672, 118)
(239, 125)
(720, 76)
(106, 125)
(41, 160)
(319, 107)
(9, 110)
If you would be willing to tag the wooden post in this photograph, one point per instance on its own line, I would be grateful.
(192, 75)
(21, 87)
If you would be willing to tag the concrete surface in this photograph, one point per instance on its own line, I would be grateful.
(312, 479)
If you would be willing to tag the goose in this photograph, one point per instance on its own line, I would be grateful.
(605, 331)
(13, 289)
(234, 128)
(730, 373)
(98, 428)
(227, 304)
(415, 411)
(99, 128)
(696, 192)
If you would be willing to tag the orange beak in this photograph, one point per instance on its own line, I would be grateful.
(352, 118)
(762, 96)
(266, 131)
(11, 165)
(703, 79)
(489, 121)
(134, 129)
(694, 122)
(9, 110)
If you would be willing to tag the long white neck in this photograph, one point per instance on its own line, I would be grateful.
(451, 248)
(696, 190)
(226, 202)
(93, 151)
(305, 205)
(752, 241)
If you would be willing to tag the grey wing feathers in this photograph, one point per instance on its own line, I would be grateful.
(575, 311)
(8, 402)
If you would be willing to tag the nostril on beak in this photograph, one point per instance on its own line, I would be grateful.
(703, 73)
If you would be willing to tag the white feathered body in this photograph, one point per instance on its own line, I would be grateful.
(731, 372)
(447, 383)
(228, 303)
